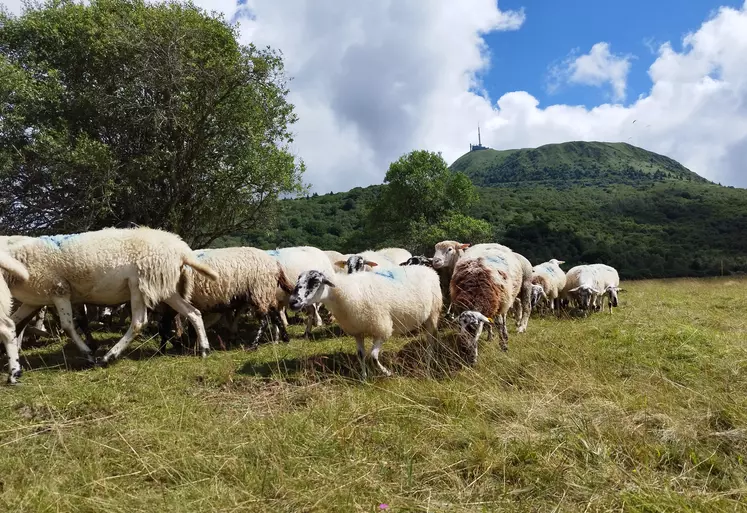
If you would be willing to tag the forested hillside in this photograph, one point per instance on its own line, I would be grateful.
(658, 221)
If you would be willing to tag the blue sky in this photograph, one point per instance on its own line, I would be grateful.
(520, 59)
(375, 79)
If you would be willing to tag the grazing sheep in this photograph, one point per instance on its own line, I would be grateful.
(418, 260)
(582, 285)
(10, 270)
(609, 284)
(247, 278)
(377, 304)
(550, 279)
(105, 267)
(448, 253)
(471, 324)
(295, 261)
(489, 285)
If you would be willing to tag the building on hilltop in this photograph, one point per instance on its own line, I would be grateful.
(478, 146)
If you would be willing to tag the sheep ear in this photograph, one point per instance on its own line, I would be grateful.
(340, 264)
(463, 246)
(328, 283)
(371, 264)
(574, 289)
(560, 262)
(483, 318)
(620, 290)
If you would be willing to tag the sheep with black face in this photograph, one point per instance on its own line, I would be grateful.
(378, 304)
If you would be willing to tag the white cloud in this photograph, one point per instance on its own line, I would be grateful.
(376, 78)
(599, 67)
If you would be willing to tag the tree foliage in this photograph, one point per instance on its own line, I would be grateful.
(421, 196)
(150, 113)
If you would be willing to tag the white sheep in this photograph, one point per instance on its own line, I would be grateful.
(248, 278)
(582, 284)
(105, 267)
(449, 252)
(609, 283)
(10, 270)
(489, 285)
(396, 255)
(377, 304)
(548, 280)
(295, 261)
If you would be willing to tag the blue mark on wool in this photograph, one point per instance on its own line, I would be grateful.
(497, 260)
(385, 274)
(272, 252)
(56, 240)
(201, 253)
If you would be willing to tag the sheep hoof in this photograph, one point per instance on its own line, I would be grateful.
(204, 353)
(252, 347)
(101, 363)
(14, 376)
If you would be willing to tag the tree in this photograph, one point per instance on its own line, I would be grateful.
(422, 202)
(149, 113)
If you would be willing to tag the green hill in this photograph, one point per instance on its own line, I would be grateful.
(604, 162)
(659, 220)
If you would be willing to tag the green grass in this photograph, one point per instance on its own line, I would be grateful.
(644, 410)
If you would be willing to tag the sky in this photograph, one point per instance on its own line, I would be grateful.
(375, 79)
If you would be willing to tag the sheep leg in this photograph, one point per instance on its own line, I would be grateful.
(8, 336)
(490, 331)
(139, 318)
(310, 318)
(65, 312)
(526, 306)
(182, 306)
(375, 354)
(262, 326)
(82, 321)
(283, 317)
(359, 340)
(21, 317)
(317, 318)
(165, 325)
(502, 332)
(234, 328)
(278, 328)
(431, 328)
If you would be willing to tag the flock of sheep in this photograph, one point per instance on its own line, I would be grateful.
(371, 294)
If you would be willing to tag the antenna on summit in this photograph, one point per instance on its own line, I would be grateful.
(478, 146)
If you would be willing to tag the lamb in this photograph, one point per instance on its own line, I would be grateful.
(247, 278)
(105, 267)
(551, 280)
(448, 253)
(488, 285)
(14, 271)
(609, 284)
(583, 285)
(295, 261)
(377, 304)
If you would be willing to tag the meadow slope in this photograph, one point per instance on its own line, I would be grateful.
(643, 410)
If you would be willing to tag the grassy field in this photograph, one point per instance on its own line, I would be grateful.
(644, 410)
